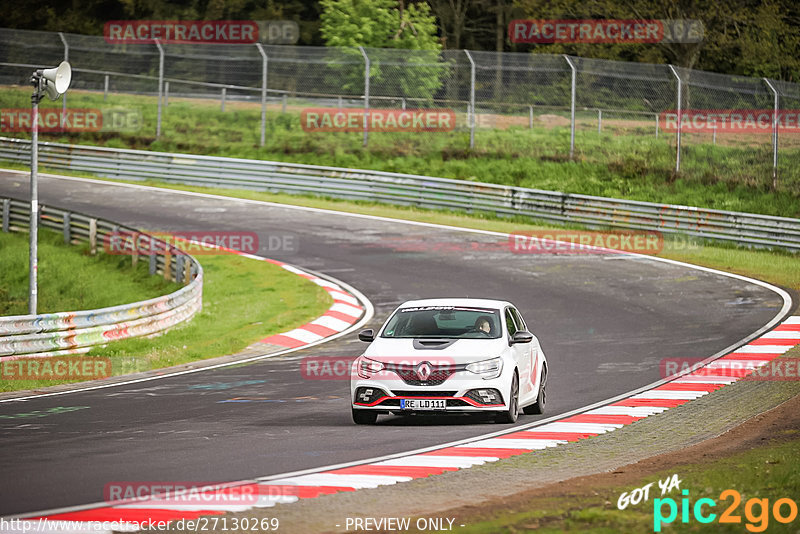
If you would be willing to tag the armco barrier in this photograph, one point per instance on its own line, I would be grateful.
(409, 189)
(54, 334)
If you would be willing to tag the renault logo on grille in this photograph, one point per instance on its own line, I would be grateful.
(424, 371)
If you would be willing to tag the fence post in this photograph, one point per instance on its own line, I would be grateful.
(263, 92)
(105, 88)
(93, 236)
(530, 117)
(222, 98)
(471, 114)
(166, 94)
(599, 121)
(339, 102)
(66, 58)
(774, 135)
(284, 100)
(160, 85)
(153, 265)
(366, 92)
(680, 120)
(656, 125)
(6, 213)
(67, 228)
(572, 108)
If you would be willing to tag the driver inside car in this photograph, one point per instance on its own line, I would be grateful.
(483, 324)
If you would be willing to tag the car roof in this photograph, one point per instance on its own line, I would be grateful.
(468, 302)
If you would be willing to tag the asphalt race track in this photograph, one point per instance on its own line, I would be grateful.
(604, 321)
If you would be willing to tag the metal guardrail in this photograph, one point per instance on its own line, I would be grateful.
(409, 189)
(55, 334)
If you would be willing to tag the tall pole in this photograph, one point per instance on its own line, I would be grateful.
(471, 99)
(160, 85)
(573, 94)
(66, 58)
(263, 93)
(680, 120)
(34, 225)
(774, 134)
(366, 92)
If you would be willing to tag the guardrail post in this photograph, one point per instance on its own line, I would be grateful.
(403, 103)
(166, 94)
(264, 60)
(774, 135)
(222, 99)
(153, 267)
(67, 228)
(530, 117)
(572, 107)
(105, 88)
(160, 85)
(366, 93)
(6, 213)
(680, 120)
(471, 114)
(283, 103)
(656, 125)
(599, 121)
(66, 58)
(167, 265)
(93, 236)
(339, 102)
(179, 269)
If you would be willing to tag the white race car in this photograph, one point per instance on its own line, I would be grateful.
(450, 355)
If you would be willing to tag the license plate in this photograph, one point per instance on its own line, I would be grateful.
(423, 404)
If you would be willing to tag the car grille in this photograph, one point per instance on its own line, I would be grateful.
(438, 374)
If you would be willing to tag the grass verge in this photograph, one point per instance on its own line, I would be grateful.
(768, 472)
(622, 163)
(70, 278)
(244, 300)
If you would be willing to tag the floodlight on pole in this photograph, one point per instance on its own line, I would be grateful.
(53, 83)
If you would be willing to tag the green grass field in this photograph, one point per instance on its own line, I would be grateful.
(769, 472)
(70, 279)
(244, 300)
(631, 163)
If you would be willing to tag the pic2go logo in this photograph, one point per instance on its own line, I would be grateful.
(756, 511)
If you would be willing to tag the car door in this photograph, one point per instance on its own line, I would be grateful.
(530, 353)
(520, 352)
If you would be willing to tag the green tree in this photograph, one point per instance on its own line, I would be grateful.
(387, 24)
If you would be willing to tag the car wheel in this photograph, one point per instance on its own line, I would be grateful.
(510, 415)
(364, 417)
(538, 407)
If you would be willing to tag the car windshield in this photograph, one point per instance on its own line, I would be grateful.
(452, 322)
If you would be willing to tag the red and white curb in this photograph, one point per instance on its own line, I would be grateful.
(345, 312)
(743, 361)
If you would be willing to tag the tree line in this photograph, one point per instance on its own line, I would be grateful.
(747, 37)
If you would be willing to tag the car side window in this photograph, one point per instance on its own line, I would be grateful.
(520, 321)
(512, 327)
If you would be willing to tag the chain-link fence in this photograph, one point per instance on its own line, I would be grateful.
(551, 107)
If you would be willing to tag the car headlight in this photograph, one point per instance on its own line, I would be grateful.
(488, 368)
(367, 367)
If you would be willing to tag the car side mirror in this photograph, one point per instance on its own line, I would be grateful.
(521, 336)
(367, 335)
